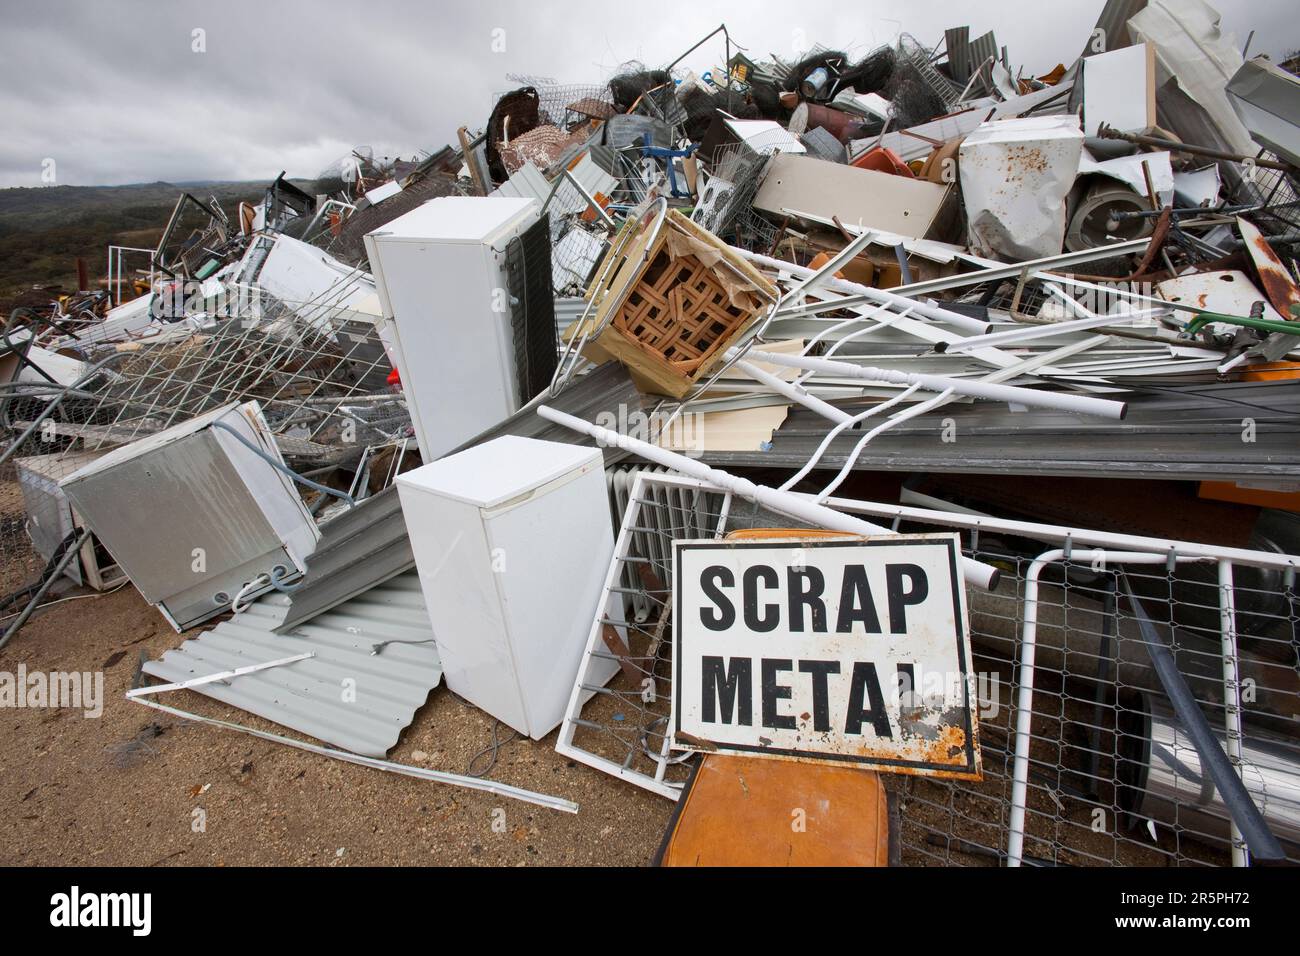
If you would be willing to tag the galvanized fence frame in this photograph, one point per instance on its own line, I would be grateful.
(1063, 742)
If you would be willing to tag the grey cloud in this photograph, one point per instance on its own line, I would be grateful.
(112, 91)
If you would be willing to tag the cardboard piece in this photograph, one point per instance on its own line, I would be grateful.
(797, 185)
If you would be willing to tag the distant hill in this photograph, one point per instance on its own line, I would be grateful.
(44, 229)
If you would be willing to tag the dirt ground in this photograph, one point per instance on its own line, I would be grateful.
(125, 788)
(122, 789)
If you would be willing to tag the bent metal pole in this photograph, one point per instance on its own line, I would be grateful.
(976, 572)
(1030, 397)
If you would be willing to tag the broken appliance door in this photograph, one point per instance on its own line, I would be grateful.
(1015, 177)
(195, 516)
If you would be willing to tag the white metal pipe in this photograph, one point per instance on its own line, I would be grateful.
(1025, 708)
(1029, 365)
(932, 333)
(785, 502)
(990, 269)
(422, 773)
(929, 309)
(1082, 404)
(929, 332)
(795, 393)
(844, 323)
(844, 340)
(816, 456)
(1231, 694)
(218, 676)
(1032, 333)
(1025, 697)
(893, 420)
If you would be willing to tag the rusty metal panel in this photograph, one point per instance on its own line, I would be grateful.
(839, 650)
(1278, 284)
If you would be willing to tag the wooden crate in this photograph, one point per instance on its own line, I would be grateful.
(676, 318)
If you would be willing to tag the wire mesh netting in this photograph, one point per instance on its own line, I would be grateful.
(579, 235)
(568, 104)
(1112, 776)
(1277, 192)
(318, 371)
(736, 173)
(623, 728)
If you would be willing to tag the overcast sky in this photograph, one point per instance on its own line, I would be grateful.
(114, 91)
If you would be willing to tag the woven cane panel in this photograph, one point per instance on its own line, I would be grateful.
(679, 311)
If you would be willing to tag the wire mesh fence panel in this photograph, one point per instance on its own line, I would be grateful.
(1276, 191)
(299, 371)
(567, 104)
(621, 726)
(318, 370)
(1110, 776)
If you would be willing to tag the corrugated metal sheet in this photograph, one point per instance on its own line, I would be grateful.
(979, 50)
(957, 43)
(567, 311)
(371, 536)
(1113, 22)
(525, 183)
(1200, 437)
(309, 696)
(823, 145)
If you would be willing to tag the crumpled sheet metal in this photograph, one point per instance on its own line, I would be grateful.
(1015, 177)
(1192, 49)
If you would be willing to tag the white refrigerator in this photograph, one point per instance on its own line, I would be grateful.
(441, 276)
(512, 540)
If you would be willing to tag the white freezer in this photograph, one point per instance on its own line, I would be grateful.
(512, 540)
(441, 273)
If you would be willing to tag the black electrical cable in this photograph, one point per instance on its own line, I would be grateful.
(490, 751)
(25, 593)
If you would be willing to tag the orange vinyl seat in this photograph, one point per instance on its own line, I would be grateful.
(765, 811)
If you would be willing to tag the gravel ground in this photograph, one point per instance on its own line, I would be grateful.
(123, 789)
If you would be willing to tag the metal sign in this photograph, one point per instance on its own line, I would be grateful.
(843, 650)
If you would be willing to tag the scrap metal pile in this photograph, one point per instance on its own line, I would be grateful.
(446, 420)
